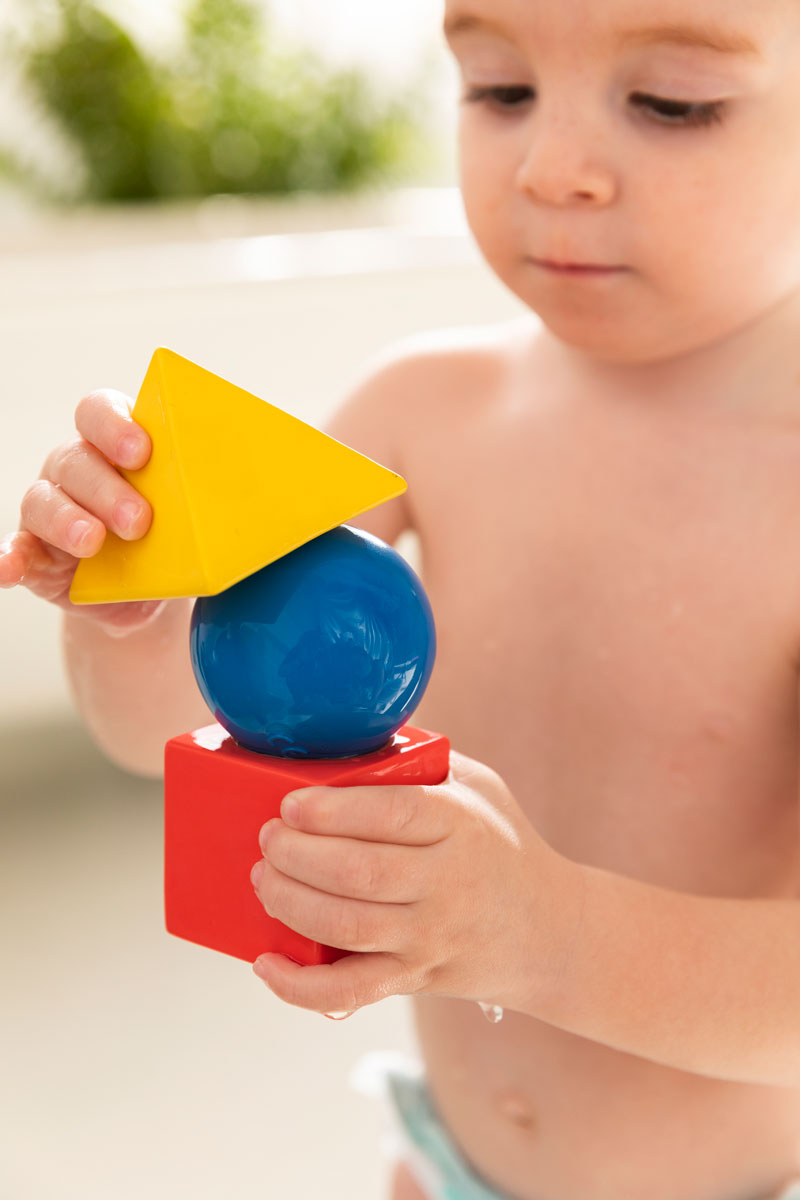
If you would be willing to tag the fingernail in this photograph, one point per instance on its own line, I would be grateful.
(290, 808)
(129, 449)
(265, 833)
(126, 513)
(5, 553)
(78, 532)
(12, 581)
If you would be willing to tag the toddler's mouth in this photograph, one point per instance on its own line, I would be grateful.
(570, 268)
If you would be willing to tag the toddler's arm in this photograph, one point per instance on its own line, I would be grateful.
(128, 663)
(370, 420)
(450, 891)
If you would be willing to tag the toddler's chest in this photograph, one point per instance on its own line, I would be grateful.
(625, 656)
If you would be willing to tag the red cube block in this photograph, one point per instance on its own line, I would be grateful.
(217, 797)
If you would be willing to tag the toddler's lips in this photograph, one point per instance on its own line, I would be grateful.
(577, 269)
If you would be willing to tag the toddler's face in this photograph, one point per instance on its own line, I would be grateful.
(658, 137)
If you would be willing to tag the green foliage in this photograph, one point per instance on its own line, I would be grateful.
(230, 112)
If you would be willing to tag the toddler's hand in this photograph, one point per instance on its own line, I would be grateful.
(435, 890)
(78, 496)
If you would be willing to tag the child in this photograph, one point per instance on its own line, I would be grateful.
(608, 505)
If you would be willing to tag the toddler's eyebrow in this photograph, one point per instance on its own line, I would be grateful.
(703, 36)
(723, 41)
(466, 22)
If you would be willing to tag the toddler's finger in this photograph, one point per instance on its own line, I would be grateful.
(50, 514)
(345, 867)
(91, 482)
(343, 986)
(333, 920)
(104, 419)
(13, 560)
(41, 567)
(403, 815)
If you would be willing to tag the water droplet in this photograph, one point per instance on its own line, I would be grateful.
(492, 1012)
(339, 1016)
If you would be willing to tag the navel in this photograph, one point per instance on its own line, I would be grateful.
(516, 1109)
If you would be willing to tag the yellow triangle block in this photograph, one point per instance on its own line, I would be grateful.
(234, 484)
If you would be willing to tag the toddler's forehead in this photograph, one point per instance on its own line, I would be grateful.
(587, 15)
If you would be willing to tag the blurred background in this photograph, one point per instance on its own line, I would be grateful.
(269, 190)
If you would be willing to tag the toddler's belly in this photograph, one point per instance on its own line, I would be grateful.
(545, 1115)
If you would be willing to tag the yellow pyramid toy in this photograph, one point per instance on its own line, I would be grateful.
(234, 484)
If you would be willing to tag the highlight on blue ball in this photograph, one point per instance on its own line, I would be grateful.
(324, 653)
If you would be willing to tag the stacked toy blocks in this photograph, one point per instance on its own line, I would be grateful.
(236, 484)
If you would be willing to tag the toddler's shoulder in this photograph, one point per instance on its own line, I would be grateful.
(428, 375)
(413, 399)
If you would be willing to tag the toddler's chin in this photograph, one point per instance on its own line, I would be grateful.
(614, 344)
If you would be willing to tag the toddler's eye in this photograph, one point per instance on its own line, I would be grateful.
(679, 112)
(503, 97)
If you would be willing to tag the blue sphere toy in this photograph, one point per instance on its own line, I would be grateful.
(322, 654)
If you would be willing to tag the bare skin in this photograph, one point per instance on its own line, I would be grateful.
(643, 626)
(404, 1186)
(646, 722)
(607, 513)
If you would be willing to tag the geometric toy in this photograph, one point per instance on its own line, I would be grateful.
(322, 654)
(218, 795)
(311, 665)
(234, 483)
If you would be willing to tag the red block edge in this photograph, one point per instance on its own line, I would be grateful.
(217, 797)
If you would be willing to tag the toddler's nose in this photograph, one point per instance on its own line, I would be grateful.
(563, 164)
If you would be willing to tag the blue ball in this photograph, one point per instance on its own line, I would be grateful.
(322, 654)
